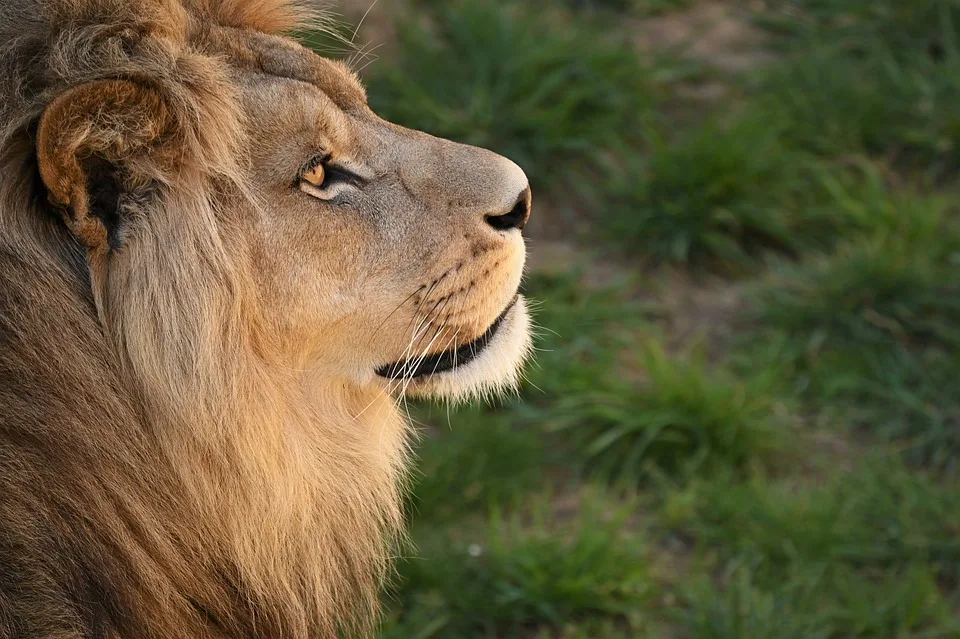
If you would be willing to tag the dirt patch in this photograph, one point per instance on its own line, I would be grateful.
(560, 257)
(716, 34)
(695, 310)
(552, 257)
(558, 242)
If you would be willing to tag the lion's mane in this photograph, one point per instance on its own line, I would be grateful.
(161, 475)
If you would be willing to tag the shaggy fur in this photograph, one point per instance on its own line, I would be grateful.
(192, 439)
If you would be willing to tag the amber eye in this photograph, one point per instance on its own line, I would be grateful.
(315, 175)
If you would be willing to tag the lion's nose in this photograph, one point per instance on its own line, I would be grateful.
(515, 218)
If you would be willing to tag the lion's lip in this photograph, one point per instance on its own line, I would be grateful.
(448, 359)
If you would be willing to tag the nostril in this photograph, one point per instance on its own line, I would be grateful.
(516, 218)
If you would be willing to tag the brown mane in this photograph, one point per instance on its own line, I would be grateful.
(268, 16)
(161, 474)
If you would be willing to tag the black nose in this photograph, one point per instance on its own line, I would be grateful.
(517, 217)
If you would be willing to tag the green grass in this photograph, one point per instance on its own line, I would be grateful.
(500, 578)
(811, 605)
(551, 95)
(856, 81)
(481, 459)
(638, 8)
(892, 287)
(879, 78)
(722, 194)
(584, 332)
(865, 555)
(871, 332)
(876, 517)
(682, 418)
(874, 103)
(919, 26)
(605, 389)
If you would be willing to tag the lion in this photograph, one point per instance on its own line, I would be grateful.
(220, 272)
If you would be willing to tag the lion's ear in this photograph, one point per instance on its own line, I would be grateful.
(89, 140)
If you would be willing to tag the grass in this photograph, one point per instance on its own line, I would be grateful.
(744, 183)
(871, 330)
(865, 555)
(874, 103)
(638, 8)
(793, 479)
(891, 287)
(628, 416)
(878, 517)
(484, 461)
(502, 577)
(871, 77)
(722, 194)
(919, 26)
(680, 419)
(810, 606)
(551, 95)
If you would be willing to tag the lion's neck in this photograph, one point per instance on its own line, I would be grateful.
(302, 476)
(295, 478)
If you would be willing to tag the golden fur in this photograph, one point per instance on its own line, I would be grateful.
(194, 437)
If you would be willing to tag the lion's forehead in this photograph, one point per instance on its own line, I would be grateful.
(284, 58)
(297, 118)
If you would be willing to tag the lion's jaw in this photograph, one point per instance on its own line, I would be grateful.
(489, 364)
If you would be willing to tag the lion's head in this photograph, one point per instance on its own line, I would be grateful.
(219, 269)
(374, 253)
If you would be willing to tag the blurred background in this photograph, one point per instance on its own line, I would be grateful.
(744, 416)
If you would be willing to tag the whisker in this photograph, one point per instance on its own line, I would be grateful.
(415, 364)
(360, 24)
(413, 367)
(449, 345)
(375, 58)
(422, 327)
(439, 330)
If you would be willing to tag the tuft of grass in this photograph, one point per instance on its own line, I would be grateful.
(512, 575)
(875, 104)
(483, 459)
(877, 517)
(721, 193)
(734, 190)
(682, 418)
(871, 332)
(890, 287)
(552, 96)
(738, 608)
(864, 555)
(927, 27)
(625, 409)
(879, 78)
(813, 605)
(639, 8)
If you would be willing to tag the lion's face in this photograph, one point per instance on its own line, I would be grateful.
(384, 254)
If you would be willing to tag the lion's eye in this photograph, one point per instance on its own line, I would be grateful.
(316, 174)
(320, 176)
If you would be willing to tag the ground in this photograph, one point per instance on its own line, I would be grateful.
(742, 420)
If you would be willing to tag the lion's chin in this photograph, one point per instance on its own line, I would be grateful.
(494, 370)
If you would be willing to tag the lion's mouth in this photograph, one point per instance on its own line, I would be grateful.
(447, 360)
